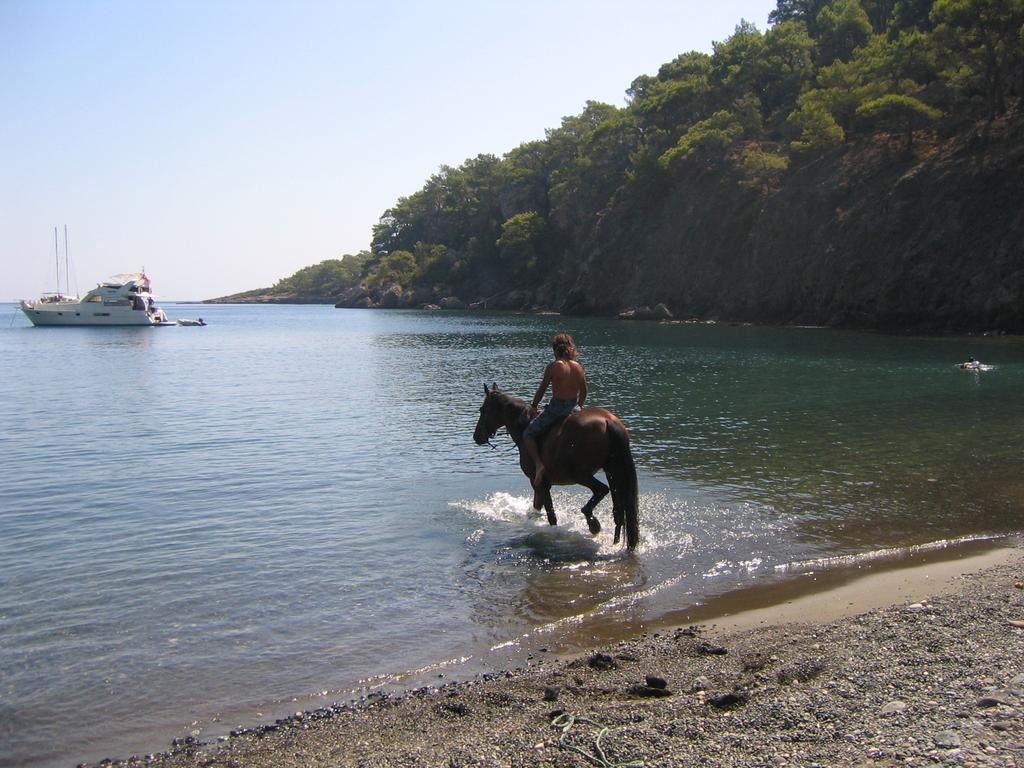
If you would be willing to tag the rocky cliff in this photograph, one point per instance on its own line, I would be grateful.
(868, 236)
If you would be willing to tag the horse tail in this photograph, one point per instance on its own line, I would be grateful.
(621, 473)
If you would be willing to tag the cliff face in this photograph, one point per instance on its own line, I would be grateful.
(868, 236)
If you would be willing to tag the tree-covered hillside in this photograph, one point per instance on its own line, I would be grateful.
(860, 162)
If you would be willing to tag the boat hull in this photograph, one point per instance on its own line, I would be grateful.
(82, 315)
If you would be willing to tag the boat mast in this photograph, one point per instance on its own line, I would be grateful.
(56, 258)
(67, 270)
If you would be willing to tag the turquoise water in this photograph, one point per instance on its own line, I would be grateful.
(202, 528)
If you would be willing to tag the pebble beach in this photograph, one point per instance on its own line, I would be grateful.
(934, 675)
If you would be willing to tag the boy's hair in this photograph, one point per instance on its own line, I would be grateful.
(563, 346)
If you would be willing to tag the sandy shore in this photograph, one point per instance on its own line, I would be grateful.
(915, 666)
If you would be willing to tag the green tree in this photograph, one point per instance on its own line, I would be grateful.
(396, 267)
(760, 168)
(984, 36)
(788, 66)
(840, 90)
(805, 11)
(709, 140)
(326, 279)
(843, 25)
(900, 114)
(590, 156)
(676, 98)
(432, 262)
(879, 12)
(454, 206)
(525, 177)
(519, 243)
(818, 128)
(914, 57)
(737, 64)
(911, 14)
(902, 64)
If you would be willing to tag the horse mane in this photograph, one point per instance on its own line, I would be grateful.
(517, 403)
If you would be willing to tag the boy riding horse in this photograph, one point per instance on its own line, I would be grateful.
(568, 393)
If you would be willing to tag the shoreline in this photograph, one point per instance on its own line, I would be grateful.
(912, 665)
(618, 315)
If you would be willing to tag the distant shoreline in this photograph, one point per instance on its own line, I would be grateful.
(614, 316)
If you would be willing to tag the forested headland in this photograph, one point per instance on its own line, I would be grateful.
(860, 163)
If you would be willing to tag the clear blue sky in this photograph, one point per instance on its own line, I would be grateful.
(224, 145)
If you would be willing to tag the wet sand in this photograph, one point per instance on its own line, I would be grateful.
(911, 666)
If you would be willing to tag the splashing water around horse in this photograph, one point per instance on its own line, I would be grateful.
(589, 440)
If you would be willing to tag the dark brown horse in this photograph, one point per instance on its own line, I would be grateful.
(588, 440)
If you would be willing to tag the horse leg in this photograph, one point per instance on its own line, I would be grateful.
(538, 499)
(599, 491)
(549, 506)
(617, 514)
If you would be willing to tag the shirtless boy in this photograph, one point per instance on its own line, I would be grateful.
(568, 393)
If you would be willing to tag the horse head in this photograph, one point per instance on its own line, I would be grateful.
(490, 416)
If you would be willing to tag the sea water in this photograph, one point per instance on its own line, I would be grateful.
(203, 528)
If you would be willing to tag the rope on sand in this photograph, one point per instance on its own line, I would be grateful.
(566, 721)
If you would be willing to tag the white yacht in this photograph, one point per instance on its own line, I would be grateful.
(123, 300)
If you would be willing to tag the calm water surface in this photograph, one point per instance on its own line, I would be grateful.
(201, 528)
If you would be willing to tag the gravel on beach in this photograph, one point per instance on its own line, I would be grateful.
(939, 681)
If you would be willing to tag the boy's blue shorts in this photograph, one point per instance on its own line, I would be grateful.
(553, 414)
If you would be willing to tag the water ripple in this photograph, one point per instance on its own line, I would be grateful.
(196, 524)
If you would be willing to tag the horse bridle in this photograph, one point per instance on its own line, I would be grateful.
(491, 436)
(494, 431)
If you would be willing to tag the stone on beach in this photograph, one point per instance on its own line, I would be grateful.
(602, 661)
(700, 684)
(893, 707)
(995, 699)
(947, 739)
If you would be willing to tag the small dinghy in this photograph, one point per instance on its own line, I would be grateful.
(191, 321)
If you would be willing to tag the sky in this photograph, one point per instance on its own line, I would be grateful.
(222, 145)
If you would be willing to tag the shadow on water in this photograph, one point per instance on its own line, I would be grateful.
(558, 545)
(522, 575)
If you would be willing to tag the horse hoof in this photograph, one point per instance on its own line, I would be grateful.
(618, 533)
(594, 524)
(552, 520)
